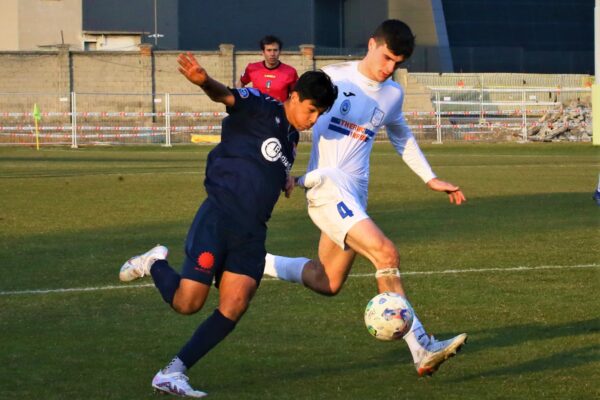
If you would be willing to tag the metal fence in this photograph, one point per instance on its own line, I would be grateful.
(76, 119)
(503, 114)
(501, 80)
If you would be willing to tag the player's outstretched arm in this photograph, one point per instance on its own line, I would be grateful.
(454, 193)
(195, 73)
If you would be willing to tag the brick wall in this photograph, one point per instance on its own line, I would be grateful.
(47, 78)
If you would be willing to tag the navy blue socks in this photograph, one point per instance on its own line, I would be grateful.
(166, 279)
(214, 329)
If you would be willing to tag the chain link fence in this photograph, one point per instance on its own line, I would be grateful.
(455, 113)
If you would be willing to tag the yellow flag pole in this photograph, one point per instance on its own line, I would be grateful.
(36, 117)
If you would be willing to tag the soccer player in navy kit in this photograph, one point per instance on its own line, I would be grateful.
(245, 174)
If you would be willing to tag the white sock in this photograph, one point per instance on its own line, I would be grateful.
(417, 339)
(176, 365)
(285, 268)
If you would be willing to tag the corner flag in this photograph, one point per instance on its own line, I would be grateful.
(37, 117)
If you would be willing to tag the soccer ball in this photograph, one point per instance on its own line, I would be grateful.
(389, 316)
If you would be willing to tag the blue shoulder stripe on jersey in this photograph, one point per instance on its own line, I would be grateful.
(254, 91)
(339, 129)
(345, 127)
(245, 92)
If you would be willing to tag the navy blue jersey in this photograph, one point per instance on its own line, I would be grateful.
(247, 171)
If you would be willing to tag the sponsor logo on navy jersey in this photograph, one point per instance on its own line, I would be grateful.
(271, 149)
(243, 93)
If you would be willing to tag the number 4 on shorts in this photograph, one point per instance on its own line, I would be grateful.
(344, 210)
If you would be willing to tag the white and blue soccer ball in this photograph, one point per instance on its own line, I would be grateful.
(389, 316)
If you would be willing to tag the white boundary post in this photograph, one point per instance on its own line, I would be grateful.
(481, 100)
(73, 120)
(167, 120)
(438, 119)
(524, 116)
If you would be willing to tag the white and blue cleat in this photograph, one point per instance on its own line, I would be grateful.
(175, 384)
(436, 352)
(139, 266)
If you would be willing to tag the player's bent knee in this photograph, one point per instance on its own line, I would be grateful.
(234, 308)
(233, 313)
(187, 307)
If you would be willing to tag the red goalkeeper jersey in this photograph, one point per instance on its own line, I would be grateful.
(275, 82)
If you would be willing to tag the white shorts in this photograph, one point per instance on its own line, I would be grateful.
(333, 205)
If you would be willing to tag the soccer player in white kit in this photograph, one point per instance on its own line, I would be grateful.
(337, 180)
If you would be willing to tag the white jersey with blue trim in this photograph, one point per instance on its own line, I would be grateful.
(343, 138)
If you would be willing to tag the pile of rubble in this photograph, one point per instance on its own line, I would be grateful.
(572, 123)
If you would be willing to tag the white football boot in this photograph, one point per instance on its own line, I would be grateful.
(176, 384)
(139, 266)
(435, 353)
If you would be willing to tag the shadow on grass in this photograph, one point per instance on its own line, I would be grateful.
(557, 361)
(489, 216)
(515, 222)
(520, 335)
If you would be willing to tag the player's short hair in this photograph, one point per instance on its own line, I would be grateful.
(317, 87)
(397, 36)
(270, 39)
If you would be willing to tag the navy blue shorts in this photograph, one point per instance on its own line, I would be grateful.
(217, 243)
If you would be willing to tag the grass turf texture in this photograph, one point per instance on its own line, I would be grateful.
(70, 218)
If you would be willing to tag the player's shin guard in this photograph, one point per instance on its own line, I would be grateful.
(285, 268)
(166, 280)
(214, 329)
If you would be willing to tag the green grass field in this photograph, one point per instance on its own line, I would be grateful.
(517, 267)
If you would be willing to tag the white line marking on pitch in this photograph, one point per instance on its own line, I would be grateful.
(448, 271)
(510, 269)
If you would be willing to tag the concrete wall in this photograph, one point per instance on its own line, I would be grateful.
(124, 81)
(29, 24)
(9, 25)
(117, 81)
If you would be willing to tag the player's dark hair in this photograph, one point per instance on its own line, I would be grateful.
(318, 87)
(397, 36)
(270, 39)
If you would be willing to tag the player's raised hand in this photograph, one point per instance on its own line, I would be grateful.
(455, 195)
(191, 69)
